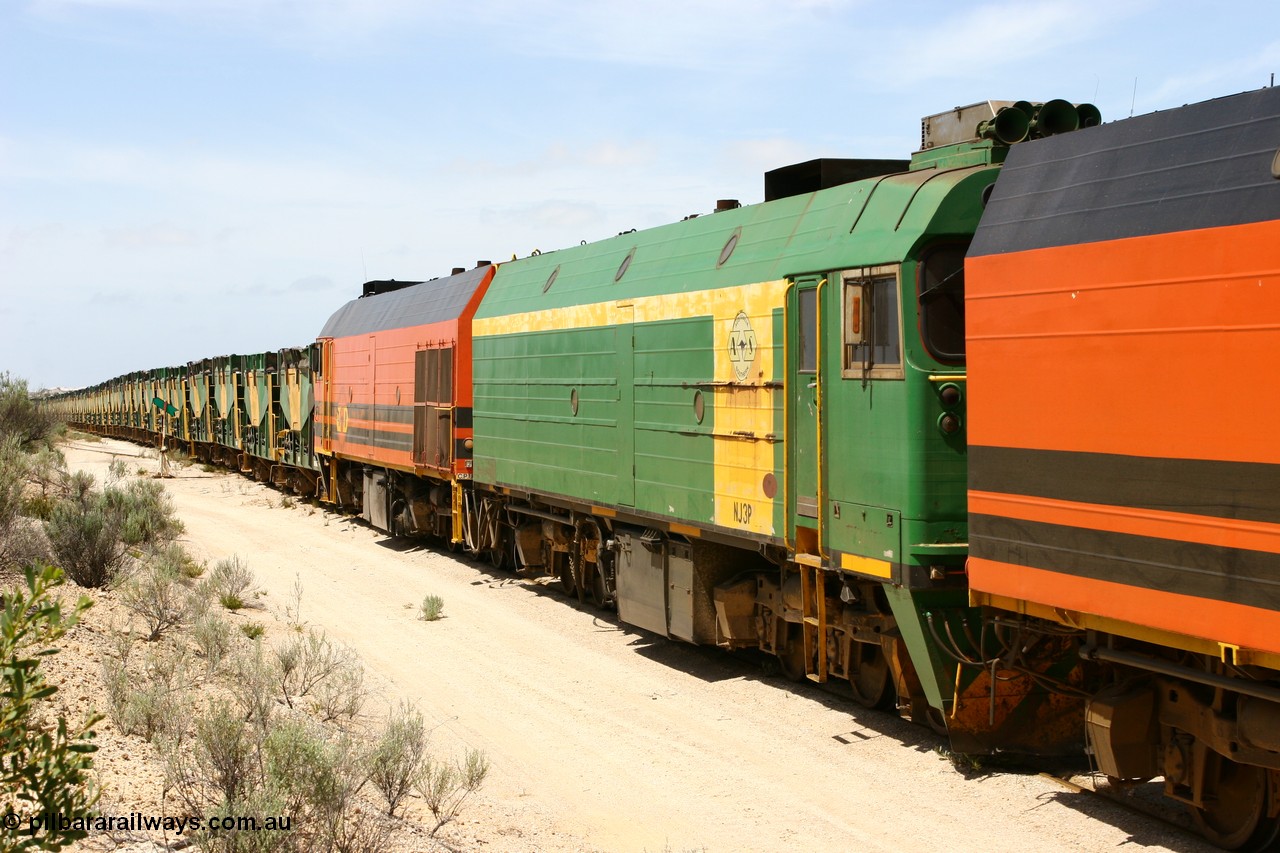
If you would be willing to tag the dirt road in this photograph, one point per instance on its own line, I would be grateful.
(604, 737)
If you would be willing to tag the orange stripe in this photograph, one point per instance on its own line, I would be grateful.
(1217, 621)
(1154, 346)
(1180, 527)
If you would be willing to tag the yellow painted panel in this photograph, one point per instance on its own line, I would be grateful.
(744, 406)
(255, 405)
(866, 565)
(294, 386)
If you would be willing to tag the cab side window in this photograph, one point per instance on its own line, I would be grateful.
(872, 324)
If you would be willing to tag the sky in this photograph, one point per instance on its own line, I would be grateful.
(188, 178)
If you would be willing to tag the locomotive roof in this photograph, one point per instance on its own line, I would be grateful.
(865, 223)
(429, 302)
(1200, 166)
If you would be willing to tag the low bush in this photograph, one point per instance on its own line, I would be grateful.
(290, 768)
(29, 423)
(45, 766)
(432, 608)
(399, 755)
(155, 593)
(313, 665)
(92, 533)
(254, 676)
(444, 787)
(231, 582)
(212, 636)
(150, 704)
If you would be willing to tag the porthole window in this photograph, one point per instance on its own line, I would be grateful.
(551, 279)
(573, 402)
(729, 246)
(699, 407)
(625, 265)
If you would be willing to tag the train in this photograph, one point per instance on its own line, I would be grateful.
(982, 436)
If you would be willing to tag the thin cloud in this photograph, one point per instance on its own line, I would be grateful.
(981, 38)
(159, 236)
(267, 181)
(1218, 78)
(662, 33)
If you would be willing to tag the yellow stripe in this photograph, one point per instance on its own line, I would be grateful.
(648, 309)
(866, 565)
(685, 531)
(1089, 621)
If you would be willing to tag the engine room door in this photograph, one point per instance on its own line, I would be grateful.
(804, 413)
(432, 407)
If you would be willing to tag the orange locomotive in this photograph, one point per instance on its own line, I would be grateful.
(1123, 308)
(394, 402)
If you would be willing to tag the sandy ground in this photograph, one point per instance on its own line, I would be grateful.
(604, 737)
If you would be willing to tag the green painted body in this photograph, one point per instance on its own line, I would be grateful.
(295, 390)
(257, 374)
(199, 422)
(224, 388)
(880, 448)
(863, 470)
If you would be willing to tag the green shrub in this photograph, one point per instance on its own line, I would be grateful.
(432, 608)
(150, 704)
(212, 635)
(154, 590)
(145, 511)
(331, 673)
(445, 787)
(254, 676)
(84, 537)
(289, 768)
(398, 756)
(231, 582)
(43, 769)
(21, 417)
(92, 532)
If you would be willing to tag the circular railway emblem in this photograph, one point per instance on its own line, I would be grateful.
(742, 346)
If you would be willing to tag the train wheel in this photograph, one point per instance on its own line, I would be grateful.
(869, 675)
(1235, 805)
(595, 586)
(936, 720)
(791, 656)
(500, 555)
(564, 571)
